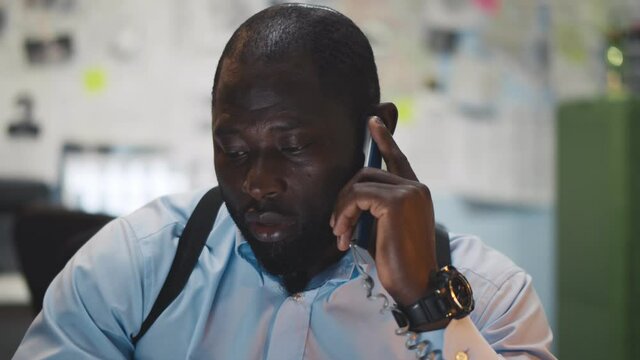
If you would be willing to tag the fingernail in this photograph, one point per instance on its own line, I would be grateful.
(345, 243)
(378, 121)
(332, 221)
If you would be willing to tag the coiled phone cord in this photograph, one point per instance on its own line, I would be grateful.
(423, 348)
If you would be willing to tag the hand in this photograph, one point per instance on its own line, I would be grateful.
(405, 227)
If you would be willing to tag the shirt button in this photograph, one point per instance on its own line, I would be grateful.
(297, 297)
(461, 355)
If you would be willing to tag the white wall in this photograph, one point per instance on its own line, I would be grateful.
(158, 59)
(157, 74)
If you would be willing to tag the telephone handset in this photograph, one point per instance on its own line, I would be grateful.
(422, 347)
(372, 159)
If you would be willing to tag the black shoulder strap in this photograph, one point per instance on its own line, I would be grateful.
(190, 247)
(443, 249)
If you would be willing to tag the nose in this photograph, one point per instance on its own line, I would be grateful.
(264, 178)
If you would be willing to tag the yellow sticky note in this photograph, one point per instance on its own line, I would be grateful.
(406, 110)
(571, 44)
(94, 80)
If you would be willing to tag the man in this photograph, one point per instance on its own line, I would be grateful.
(293, 92)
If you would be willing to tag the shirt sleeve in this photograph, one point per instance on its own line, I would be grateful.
(512, 326)
(94, 305)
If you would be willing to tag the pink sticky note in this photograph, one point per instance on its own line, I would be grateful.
(490, 6)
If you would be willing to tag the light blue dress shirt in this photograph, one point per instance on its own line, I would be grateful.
(231, 309)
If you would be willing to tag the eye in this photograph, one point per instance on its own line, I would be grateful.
(232, 152)
(293, 149)
(236, 155)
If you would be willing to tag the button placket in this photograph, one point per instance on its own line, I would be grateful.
(291, 325)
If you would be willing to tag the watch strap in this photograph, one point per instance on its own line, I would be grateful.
(429, 309)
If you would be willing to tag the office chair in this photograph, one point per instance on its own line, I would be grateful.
(46, 238)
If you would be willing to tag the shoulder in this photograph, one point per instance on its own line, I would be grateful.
(472, 256)
(146, 237)
(106, 289)
(490, 273)
(139, 246)
(508, 312)
(166, 213)
(121, 237)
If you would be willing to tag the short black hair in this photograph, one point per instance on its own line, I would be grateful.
(338, 49)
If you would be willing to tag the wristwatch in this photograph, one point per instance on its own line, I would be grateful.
(451, 298)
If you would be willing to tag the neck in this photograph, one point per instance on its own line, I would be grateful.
(298, 281)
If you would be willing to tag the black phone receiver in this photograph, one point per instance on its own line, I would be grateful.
(372, 159)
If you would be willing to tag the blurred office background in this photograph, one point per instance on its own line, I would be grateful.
(516, 113)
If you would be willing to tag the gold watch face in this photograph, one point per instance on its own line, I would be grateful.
(460, 292)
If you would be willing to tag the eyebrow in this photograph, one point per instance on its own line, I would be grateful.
(225, 130)
(287, 126)
(281, 125)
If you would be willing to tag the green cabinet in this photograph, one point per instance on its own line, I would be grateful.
(598, 229)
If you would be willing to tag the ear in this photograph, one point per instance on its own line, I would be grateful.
(388, 112)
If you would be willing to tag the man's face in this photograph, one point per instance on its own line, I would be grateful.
(283, 150)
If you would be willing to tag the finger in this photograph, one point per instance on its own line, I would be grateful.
(362, 197)
(395, 159)
(344, 240)
(372, 176)
(346, 222)
(368, 174)
(364, 175)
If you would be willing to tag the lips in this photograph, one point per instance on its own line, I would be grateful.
(269, 226)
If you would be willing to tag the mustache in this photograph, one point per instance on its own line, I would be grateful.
(267, 217)
(246, 204)
(264, 206)
(266, 211)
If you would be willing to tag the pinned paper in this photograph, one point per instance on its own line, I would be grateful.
(615, 56)
(94, 80)
(489, 6)
(406, 110)
(570, 43)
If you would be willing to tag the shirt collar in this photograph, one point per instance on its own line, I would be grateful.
(244, 251)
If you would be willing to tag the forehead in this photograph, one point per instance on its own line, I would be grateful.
(256, 85)
(252, 95)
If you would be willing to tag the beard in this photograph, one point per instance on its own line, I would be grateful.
(296, 259)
